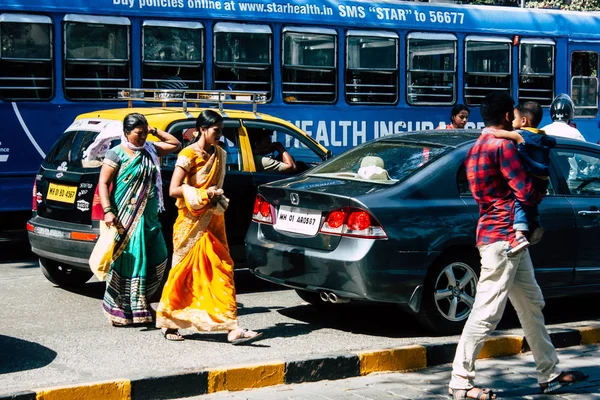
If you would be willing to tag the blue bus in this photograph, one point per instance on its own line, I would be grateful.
(345, 71)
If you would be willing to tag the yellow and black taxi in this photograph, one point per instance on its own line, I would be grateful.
(66, 205)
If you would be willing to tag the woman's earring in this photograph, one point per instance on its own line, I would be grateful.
(196, 133)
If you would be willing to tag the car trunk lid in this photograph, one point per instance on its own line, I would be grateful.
(300, 207)
(66, 196)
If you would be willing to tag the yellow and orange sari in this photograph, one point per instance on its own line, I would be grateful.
(200, 293)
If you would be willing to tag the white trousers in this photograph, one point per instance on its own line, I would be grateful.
(503, 277)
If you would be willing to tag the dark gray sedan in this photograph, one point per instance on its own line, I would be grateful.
(393, 221)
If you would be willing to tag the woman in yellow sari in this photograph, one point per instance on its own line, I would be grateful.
(200, 293)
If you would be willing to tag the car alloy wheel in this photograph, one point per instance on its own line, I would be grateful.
(454, 291)
(449, 291)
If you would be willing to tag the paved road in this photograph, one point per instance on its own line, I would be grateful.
(50, 336)
(511, 377)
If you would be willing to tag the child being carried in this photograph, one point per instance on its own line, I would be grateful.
(534, 147)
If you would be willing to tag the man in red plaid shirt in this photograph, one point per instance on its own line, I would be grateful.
(496, 178)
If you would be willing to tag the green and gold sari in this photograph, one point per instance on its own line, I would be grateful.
(140, 254)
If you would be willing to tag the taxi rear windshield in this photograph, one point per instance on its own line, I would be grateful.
(73, 148)
(385, 162)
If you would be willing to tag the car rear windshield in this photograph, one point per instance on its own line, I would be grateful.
(75, 149)
(385, 162)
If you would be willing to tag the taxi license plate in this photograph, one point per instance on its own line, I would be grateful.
(62, 193)
(298, 220)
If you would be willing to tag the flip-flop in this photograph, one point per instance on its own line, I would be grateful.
(243, 339)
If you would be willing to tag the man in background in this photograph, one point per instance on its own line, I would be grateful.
(562, 112)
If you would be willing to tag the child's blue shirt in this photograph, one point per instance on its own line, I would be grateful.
(535, 151)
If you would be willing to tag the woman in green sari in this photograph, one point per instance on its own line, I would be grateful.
(132, 205)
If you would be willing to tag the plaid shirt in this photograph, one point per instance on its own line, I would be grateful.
(496, 177)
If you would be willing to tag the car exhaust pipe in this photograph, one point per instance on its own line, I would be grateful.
(332, 298)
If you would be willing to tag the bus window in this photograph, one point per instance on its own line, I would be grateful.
(173, 56)
(26, 57)
(487, 67)
(96, 56)
(584, 83)
(242, 57)
(308, 71)
(536, 71)
(371, 67)
(431, 75)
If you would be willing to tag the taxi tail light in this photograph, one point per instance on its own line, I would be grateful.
(262, 211)
(97, 210)
(84, 236)
(353, 222)
(34, 198)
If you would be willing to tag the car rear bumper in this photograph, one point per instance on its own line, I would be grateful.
(46, 242)
(359, 269)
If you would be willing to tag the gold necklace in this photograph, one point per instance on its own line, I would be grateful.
(203, 152)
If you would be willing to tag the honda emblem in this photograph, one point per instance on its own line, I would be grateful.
(295, 199)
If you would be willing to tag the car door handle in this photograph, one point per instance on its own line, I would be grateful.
(588, 213)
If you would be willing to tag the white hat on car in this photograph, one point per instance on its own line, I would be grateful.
(371, 168)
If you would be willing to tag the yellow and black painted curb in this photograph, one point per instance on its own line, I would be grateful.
(312, 369)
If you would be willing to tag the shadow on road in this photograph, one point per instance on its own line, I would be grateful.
(279, 330)
(385, 320)
(21, 355)
(16, 251)
(559, 310)
(93, 289)
(388, 320)
(246, 282)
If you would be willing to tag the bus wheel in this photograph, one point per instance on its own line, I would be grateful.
(63, 275)
(449, 293)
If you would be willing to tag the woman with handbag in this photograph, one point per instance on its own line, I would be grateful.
(132, 206)
(200, 293)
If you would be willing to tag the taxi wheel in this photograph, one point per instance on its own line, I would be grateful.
(63, 275)
(449, 294)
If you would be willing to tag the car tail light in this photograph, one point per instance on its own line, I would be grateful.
(88, 237)
(97, 210)
(262, 211)
(30, 227)
(353, 222)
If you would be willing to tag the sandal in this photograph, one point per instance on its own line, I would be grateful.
(473, 393)
(564, 379)
(172, 335)
(245, 336)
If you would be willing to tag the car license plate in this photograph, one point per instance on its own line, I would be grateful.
(62, 193)
(298, 220)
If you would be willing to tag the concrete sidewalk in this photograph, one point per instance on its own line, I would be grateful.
(306, 369)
